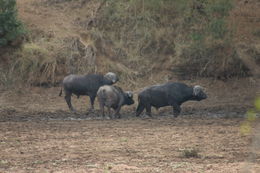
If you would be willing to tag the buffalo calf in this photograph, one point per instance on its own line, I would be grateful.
(113, 97)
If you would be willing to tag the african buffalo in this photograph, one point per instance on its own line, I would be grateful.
(113, 97)
(169, 94)
(85, 85)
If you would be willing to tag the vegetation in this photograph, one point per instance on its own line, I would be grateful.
(190, 153)
(134, 38)
(10, 27)
(181, 33)
(211, 50)
(251, 115)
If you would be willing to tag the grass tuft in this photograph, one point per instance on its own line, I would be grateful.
(190, 153)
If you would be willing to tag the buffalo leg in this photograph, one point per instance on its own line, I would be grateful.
(92, 100)
(139, 109)
(117, 114)
(176, 110)
(109, 112)
(68, 100)
(101, 106)
(148, 110)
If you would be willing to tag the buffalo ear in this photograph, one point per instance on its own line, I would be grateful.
(197, 89)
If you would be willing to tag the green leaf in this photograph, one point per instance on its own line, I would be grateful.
(257, 104)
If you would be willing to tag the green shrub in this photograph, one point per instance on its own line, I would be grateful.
(10, 27)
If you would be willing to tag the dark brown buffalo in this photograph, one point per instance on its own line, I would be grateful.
(169, 94)
(85, 85)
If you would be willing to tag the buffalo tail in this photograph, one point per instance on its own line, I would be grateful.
(60, 91)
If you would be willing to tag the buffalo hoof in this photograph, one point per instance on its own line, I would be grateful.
(146, 116)
(91, 110)
(107, 118)
(149, 114)
(118, 116)
(73, 111)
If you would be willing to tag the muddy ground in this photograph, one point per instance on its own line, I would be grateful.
(39, 134)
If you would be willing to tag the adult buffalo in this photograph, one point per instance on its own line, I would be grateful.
(169, 94)
(113, 97)
(85, 85)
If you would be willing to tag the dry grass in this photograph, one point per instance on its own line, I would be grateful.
(56, 46)
(141, 41)
(244, 18)
(152, 41)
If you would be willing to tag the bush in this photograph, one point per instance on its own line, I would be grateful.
(10, 27)
(190, 153)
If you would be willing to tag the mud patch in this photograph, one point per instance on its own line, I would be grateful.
(13, 115)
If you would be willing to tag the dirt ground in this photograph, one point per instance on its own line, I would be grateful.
(39, 134)
(127, 145)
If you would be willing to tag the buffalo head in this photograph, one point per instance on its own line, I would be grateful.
(129, 98)
(112, 77)
(198, 93)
